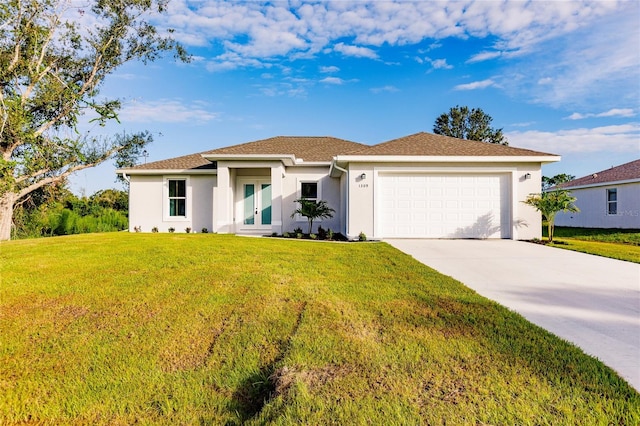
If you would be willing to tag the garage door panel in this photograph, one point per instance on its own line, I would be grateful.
(444, 206)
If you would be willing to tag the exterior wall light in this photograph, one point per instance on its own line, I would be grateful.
(363, 176)
(527, 176)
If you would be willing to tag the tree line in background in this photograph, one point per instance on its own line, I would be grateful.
(55, 210)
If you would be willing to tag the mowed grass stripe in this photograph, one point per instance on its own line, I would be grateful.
(214, 329)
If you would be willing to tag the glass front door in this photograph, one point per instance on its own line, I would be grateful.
(256, 204)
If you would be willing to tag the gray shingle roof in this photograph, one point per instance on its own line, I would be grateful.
(325, 148)
(308, 148)
(429, 144)
(627, 171)
(186, 162)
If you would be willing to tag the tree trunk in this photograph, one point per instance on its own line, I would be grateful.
(7, 201)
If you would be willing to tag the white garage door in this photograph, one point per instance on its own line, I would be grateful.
(444, 206)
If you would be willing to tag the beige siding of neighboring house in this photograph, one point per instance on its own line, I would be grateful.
(592, 203)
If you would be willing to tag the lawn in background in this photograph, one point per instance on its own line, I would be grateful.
(621, 244)
(210, 329)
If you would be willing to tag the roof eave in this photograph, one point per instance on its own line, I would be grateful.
(132, 172)
(287, 159)
(544, 159)
(594, 185)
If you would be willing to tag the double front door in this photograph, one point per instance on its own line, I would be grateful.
(254, 206)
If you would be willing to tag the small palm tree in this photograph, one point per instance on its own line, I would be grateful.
(313, 210)
(551, 202)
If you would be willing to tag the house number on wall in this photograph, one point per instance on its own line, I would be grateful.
(363, 185)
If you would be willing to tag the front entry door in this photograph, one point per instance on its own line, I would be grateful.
(254, 208)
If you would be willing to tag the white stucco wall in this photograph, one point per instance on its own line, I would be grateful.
(148, 203)
(592, 203)
(286, 184)
(526, 222)
(329, 191)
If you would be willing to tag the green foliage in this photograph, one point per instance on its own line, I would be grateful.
(51, 72)
(55, 210)
(550, 182)
(474, 124)
(550, 203)
(163, 329)
(313, 210)
(362, 236)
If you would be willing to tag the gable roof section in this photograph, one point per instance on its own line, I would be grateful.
(625, 172)
(186, 162)
(323, 149)
(307, 148)
(431, 145)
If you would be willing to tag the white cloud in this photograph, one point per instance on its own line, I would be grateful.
(484, 56)
(389, 89)
(614, 112)
(332, 80)
(585, 45)
(622, 138)
(591, 65)
(329, 69)
(356, 51)
(441, 64)
(166, 111)
(476, 85)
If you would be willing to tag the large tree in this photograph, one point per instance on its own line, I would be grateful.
(52, 66)
(463, 123)
(550, 182)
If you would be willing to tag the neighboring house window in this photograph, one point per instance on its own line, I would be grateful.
(612, 201)
(177, 197)
(309, 191)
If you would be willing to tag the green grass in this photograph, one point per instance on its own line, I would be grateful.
(209, 329)
(618, 236)
(621, 244)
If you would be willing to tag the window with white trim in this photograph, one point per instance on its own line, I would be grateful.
(177, 197)
(612, 201)
(309, 191)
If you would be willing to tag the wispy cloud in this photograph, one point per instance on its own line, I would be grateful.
(356, 51)
(590, 65)
(389, 89)
(484, 56)
(614, 112)
(622, 138)
(585, 45)
(332, 80)
(435, 63)
(166, 111)
(483, 84)
(329, 69)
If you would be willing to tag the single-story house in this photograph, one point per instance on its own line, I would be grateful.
(606, 199)
(418, 186)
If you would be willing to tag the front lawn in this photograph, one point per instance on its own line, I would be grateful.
(621, 244)
(209, 329)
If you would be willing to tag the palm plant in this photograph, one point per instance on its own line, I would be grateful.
(313, 210)
(551, 202)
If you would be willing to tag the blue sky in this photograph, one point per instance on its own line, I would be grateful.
(558, 76)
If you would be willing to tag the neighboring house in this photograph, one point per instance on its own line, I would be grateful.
(418, 186)
(606, 199)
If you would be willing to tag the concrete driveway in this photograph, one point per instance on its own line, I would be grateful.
(591, 301)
